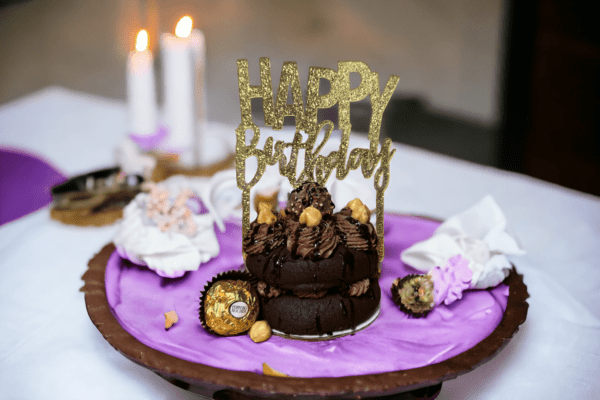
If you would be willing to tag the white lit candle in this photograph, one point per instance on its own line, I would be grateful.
(199, 52)
(183, 62)
(141, 90)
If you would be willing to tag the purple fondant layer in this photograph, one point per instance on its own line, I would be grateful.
(139, 298)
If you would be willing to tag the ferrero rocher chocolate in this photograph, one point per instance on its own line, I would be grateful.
(230, 307)
(413, 294)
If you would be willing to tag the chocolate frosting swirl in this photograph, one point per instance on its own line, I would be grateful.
(309, 194)
(354, 234)
(264, 237)
(359, 288)
(312, 241)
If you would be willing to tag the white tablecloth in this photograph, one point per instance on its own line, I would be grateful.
(49, 348)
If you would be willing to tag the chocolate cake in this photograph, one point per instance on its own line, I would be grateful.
(317, 270)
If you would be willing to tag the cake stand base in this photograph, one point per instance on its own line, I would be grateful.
(424, 393)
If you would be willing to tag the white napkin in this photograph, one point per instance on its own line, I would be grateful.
(355, 185)
(477, 234)
(170, 254)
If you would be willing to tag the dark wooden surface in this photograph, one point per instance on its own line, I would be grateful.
(551, 101)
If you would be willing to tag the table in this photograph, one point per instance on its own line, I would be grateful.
(49, 348)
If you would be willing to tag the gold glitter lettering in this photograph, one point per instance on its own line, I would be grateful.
(289, 78)
(316, 167)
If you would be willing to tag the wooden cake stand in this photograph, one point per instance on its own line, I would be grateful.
(417, 383)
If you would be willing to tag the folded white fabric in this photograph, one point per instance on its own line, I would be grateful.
(477, 234)
(353, 186)
(168, 237)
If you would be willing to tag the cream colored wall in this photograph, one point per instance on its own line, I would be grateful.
(447, 52)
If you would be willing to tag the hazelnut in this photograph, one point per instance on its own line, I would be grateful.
(260, 331)
(310, 216)
(267, 370)
(170, 319)
(269, 198)
(355, 204)
(266, 217)
(362, 214)
(264, 206)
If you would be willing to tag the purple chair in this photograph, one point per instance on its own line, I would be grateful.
(25, 183)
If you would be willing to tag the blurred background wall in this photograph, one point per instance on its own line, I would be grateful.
(445, 51)
(467, 67)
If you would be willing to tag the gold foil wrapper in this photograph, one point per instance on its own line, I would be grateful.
(229, 306)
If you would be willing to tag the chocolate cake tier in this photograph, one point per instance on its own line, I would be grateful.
(345, 266)
(333, 312)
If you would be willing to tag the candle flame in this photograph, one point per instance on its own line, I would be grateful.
(184, 27)
(141, 42)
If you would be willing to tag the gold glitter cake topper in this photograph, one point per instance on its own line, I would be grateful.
(317, 168)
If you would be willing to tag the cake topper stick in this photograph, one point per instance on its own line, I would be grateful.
(316, 167)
